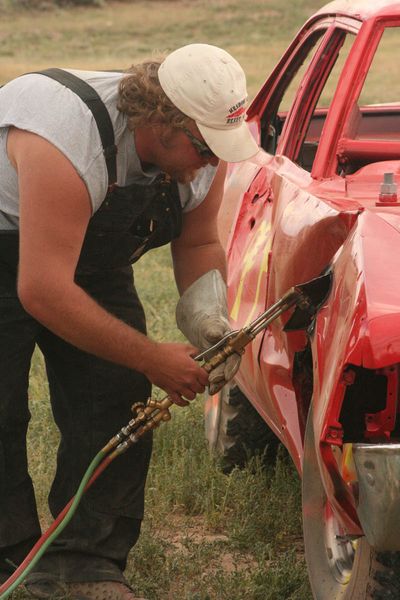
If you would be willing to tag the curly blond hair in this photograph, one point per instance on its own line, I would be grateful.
(143, 100)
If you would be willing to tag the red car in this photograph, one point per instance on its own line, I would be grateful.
(321, 196)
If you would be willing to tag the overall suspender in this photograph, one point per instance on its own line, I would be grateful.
(100, 113)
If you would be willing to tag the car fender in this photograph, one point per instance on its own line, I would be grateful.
(359, 325)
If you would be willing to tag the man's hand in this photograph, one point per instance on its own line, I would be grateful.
(172, 368)
(201, 314)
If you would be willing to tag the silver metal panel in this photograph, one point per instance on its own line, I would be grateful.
(378, 469)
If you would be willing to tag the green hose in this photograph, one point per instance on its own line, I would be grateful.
(95, 462)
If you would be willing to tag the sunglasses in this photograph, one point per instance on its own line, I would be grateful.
(201, 148)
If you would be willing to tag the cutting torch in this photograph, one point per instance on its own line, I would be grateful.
(307, 297)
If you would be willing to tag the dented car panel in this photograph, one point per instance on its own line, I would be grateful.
(274, 249)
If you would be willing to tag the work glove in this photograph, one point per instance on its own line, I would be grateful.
(202, 316)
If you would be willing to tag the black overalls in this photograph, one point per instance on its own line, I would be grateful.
(90, 397)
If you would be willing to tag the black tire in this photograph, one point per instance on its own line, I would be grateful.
(236, 432)
(340, 569)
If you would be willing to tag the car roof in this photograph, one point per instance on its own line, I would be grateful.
(361, 9)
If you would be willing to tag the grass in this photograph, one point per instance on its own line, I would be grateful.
(206, 536)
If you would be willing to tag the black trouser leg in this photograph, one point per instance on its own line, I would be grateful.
(19, 525)
(91, 400)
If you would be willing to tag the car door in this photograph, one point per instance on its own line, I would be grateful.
(282, 233)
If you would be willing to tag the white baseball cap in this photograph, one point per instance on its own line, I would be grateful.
(208, 85)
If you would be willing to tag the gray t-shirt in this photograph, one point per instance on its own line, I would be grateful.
(43, 106)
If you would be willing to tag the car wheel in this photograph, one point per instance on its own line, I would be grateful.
(340, 568)
(235, 431)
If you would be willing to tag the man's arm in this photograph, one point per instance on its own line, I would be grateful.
(202, 313)
(198, 249)
(54, 213)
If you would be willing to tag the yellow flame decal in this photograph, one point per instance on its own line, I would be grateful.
(259, 240)
(263, 269)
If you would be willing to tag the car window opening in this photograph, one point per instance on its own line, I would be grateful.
(373, 132)
(273, 119)
(309, 146)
